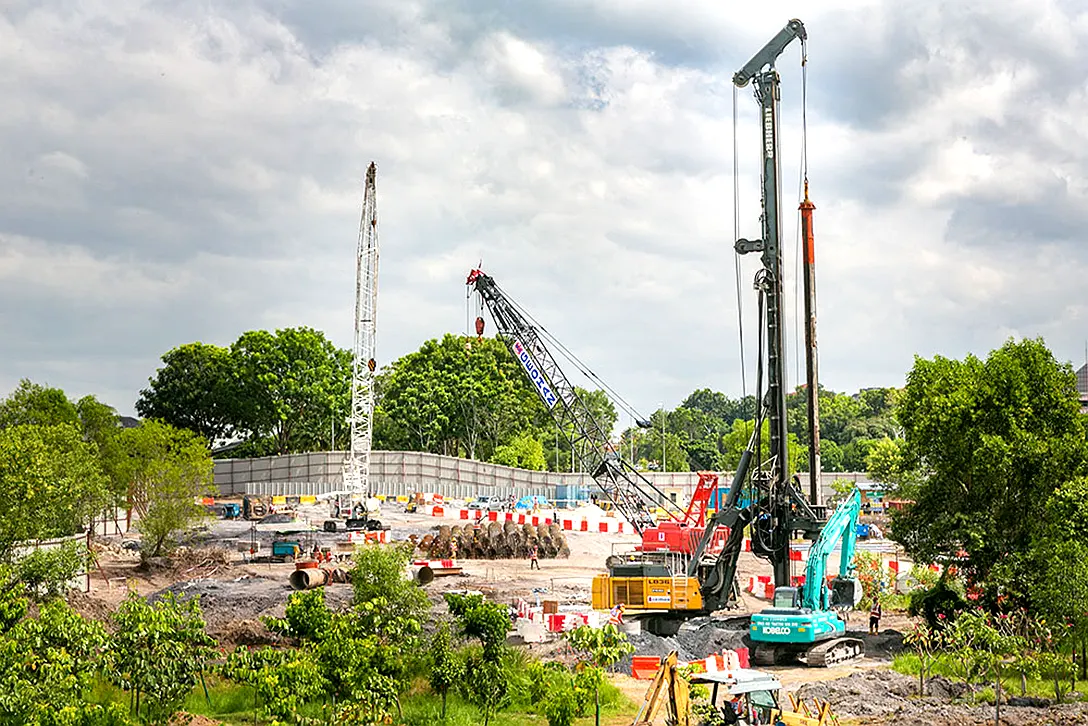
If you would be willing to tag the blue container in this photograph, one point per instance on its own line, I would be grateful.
(570, 495)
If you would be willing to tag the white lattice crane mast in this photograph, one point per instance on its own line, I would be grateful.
(357, 465)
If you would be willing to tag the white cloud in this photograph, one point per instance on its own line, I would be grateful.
(171, 173)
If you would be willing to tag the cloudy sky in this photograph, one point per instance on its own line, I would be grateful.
(174, 171)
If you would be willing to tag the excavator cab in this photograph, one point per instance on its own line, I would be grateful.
(787, 598)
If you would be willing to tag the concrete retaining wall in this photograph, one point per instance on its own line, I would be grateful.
(404, 472)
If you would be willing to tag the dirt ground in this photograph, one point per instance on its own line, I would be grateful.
(235, 594)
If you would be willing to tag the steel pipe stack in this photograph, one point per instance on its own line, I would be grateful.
(495, 541)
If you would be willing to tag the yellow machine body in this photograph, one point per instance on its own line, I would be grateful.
(647, 593)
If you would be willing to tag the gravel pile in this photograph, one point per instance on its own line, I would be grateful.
(697, 639)
(227, 602)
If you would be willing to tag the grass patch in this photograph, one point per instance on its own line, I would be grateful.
(944, 665)
(233, 704)
(227, 701)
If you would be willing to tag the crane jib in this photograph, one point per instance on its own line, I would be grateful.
(547, 395)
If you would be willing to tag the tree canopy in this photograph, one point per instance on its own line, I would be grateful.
(63, 461)
(278, 392)
(288, 392)
(991, 442)
(51, 482)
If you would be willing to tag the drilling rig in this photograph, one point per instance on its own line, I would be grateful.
(777, 509)
(354, 504)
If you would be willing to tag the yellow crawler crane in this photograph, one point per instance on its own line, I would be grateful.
(650, 593)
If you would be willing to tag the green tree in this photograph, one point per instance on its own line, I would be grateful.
(457, 396)
(37, 405)
(99, 422)
(856, 453)
(390, 605)
(486, 685)
(159, 652)
(832, 456)
(197, 388)
(365, 672)
(13, 606)
(291, 383)
(557, 442)
(1005, 431)
(1059, 560)
(840, 488)
(447, 670)
(307, 617)
(478, 618)
(720, 406)
(47, 665)
(523, 452)
(736, 440)
(598, 648)
(51, 482)
(928, 643)
(282, 680)
(166, 469)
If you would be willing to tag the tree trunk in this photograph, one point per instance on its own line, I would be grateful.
(997, 698)
(597, 698)
(1023, 684)
(443, 705)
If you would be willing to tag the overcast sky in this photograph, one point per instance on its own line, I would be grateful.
(176, 171)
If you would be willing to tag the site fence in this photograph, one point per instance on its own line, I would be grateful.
(402, 473)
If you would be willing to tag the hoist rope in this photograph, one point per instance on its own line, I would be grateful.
(736, 255)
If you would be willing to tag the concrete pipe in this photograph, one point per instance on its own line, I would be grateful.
(422, 574)
(309, 578)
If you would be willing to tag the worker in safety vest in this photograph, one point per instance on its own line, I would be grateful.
(874, 617)
(616, 616)
(534, 563)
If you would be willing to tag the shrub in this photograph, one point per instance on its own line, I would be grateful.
(47, 573)
(307, 616)
(939, 604)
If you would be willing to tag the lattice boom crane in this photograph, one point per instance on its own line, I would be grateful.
(632, 494)
(357, 465)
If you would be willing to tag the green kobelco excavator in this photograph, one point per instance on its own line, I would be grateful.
(803, 624)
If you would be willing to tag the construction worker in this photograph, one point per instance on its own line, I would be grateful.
(534, 563)
(730, 711)
(616, 616)
(874, 617)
